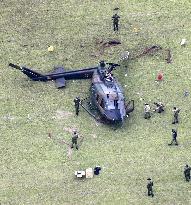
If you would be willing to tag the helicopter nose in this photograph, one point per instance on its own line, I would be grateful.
(113, 115)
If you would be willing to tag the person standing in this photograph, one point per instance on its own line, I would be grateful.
(74, 139)
(174, 136)
(187, 170)
(175, 115)
(77, 105)
(150, 187)
(147, 113)
(159, 107)
(115, 22)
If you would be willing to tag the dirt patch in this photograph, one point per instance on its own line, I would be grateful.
(152, 51)
(60, 114)
(70, 129)
(69, 152)
(62, 142)
(109, 43)
(101, 45)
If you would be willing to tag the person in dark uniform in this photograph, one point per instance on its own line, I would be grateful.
(159, 107)
(175, 115)
(150, 187)
(77, 105)
(74, 139)
(187, 172)
(115, 22)
(102, 64)
(174, 136)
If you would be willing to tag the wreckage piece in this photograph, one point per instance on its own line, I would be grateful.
(60, 82)
(57, 74)
(112, 42)
(183, 42)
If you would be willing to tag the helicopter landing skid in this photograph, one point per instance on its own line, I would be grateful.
(88, 110)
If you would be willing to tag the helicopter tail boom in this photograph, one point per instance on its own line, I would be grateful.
(30, 73)
(58, 75)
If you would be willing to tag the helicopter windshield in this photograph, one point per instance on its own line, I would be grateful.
(112, 102)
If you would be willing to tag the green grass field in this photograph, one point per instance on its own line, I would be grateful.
(38, 170)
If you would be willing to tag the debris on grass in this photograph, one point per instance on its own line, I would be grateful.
(160, 76)
(125, 55)
(69, 152)
(49, 135)
(183, 42)
(50, 49)
(136, 30)
(169, 56)
(186, 93)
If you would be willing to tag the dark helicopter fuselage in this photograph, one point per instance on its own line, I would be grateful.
(107, 96)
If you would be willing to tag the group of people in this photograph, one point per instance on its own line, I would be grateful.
(147, 115)
(147, 109)
(160, 108)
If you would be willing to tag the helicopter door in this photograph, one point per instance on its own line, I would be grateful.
(100, 101)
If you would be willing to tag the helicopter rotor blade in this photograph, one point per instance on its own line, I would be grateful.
(113, 64)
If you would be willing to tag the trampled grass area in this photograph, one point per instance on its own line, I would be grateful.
(36, 169)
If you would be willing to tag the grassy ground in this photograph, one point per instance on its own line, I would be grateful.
(36, 169)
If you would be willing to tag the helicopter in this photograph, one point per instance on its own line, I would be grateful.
(106, 93)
